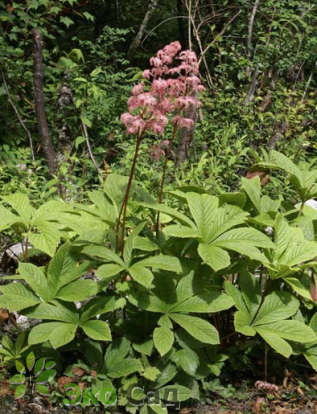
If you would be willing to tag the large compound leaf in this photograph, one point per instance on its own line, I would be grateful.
(198, 328)
(97, 330)
(163, 339)
(35, 278)
(214, 256)
(55, 312)
(202, 208)
(21, 204)
(58, 333)
(17, 297)
(7, 218)
(79, 290)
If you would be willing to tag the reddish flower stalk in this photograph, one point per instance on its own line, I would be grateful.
(172, 89)
(124, 205)
(160, 196)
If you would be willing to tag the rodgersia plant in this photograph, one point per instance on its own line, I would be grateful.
(169, 88)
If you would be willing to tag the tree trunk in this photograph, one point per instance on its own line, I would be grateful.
(39, 103)
(138, 38)
(65, 107)
(254, 82)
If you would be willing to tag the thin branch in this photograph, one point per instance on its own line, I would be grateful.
(85, 132)
(160, 24)
(15, 109)
(153, 4)
(251, 25)
(191, 22)
(218, 35)
(190, 19)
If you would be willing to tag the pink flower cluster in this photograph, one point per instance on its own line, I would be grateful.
(173, 89)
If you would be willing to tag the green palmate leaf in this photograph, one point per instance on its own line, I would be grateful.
(145, 348)
(105, 210)
(180, 231)
(291, 249)
(312, 359)
(129, 243)
(298, 253)
(101, 305)
(7, 218)
(43, 389)
(268, 205)
(151, 373)
(276, 306)
(114, 187)
(19, 366)
(107, 271)
(47, 239)
(275, 341)
(163, 262)
(77, 291)
(235, 198)
(167, 374)
(299, 286)
(306, 224)
(64, 267)
(39, 366)
(56, 312)
(124, 368)
(21, 204)
(165, 322)
(236, 296)
(204, 303)
(98, 330)
(282, 236)
(51, 210)
(279, 161)
(197, 327)
(30, 361)
(141, 275)
(202, 208)
(253, 189)
(103, 253)
(116, 352)
(145, 244)
(215, 257)
(242, 322)
(58, 333)
(244, 248)
(163, 339)
(226, 218)
(17, 379)
(188, 360)
(35, 278)
(313, 323)
(245, 235)
(46, 376)
(17, 297)
(20, 391)
(169, 211)
(292, 330)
